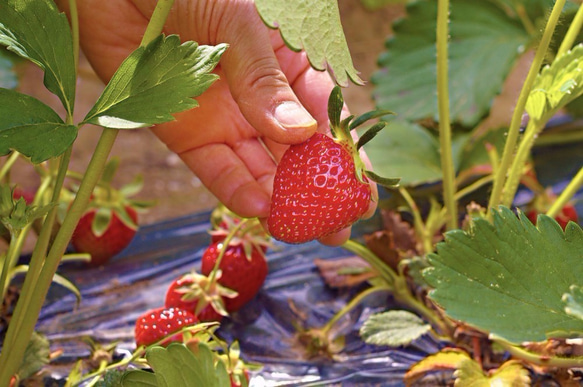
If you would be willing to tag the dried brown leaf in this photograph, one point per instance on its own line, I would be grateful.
(344, 272)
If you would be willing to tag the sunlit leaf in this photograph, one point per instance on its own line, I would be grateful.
(154, 82)
(32, 128)
(511, 373)
(485, 43)
(411, 152)
(393, 328)
(574, 301)
(556, 85)
(508, 278)
(36, 30)
(177, 366)
(312, 25)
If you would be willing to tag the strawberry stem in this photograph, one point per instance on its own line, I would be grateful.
(351, 305)
(447, 166)
(514, 129)
(567, 194)
(223, 249)
(39, 277)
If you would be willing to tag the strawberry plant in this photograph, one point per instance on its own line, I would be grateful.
(500, 291)
(170, 74)
(482, 275)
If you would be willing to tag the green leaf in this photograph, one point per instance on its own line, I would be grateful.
(411, 152)
(393, 328)
(139, 378)
(154, 82)
(36, 356)
(574, 301)
(32, 128)
(36, 30)
(485, 43)
(556, 85)
(508, 278)
(370, 134)
(335, 104)
(369, 116)
(372, 5)
(312, 25)
(177, 366)
(57, 278)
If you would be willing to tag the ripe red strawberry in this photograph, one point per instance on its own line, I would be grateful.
(156, 324)
(316, 191)
(321, 185)
(186, 291)
(240, 271)
(567, 214)
(105, 236)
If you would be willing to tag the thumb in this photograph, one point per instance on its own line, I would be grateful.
(257, 82)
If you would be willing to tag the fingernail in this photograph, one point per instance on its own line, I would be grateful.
(290, 115)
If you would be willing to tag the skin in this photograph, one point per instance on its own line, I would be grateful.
(268, 97)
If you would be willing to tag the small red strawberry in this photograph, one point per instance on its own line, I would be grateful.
(541, 204)
(321, 185)
(567, 214)
(188, 290)
(104, 232)
(111, 220)
(27, 195)
(156, 324)
(242, 271)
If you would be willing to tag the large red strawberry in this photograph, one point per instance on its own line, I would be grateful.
(321, 185)
(242, 270)
(156, 324)
(188, 290)
(104, 232)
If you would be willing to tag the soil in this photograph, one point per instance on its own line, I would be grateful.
(176, 190)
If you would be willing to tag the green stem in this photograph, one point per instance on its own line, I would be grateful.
(444, 118)
(572, 32)
(541, 360)
(26, 312)
(13, 251)
(377, 264)
(517, 168)
(526, 22)
(36, 261)
(75, 32)
(157, 21)
(8, 164)
(514, 129)
(420, 226)
(567, 194)
(224, 247)
(396, 283)
(351, 305)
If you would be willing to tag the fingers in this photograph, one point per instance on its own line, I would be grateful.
(257, 83)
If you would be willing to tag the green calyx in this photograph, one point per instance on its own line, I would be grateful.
(341, 131)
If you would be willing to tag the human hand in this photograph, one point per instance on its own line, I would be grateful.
(267, 98)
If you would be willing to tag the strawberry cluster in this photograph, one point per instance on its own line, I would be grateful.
(232, 272)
